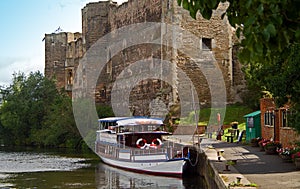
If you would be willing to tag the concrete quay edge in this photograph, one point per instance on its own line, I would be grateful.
(225, 177)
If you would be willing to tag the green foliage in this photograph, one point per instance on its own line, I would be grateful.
(59, 128)
(267, 27)
(26, 103)
(104, 111)
(281, 78)
(35, 113)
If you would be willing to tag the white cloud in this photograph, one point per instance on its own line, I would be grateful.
(17, 49)
(19, 64)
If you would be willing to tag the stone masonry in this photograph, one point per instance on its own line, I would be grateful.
(150, 96)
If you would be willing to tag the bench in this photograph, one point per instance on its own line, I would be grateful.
(231, 133)
(229, 138)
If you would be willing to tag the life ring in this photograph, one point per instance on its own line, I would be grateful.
(141, 143)
(156, 142)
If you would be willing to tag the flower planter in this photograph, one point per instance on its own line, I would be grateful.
(254, 144)
(270, 150)
(297, 162)
(261, 147)
(286, 158)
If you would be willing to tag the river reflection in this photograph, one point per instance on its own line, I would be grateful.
(110, 177)
(31, 169)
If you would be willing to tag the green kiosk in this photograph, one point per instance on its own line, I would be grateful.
(253, 128)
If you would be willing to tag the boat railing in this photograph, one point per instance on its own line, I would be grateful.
(171, 151)
(148, 151)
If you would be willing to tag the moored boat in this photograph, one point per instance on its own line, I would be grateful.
(137, 144)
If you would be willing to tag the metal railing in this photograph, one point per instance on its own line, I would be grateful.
(171, 151)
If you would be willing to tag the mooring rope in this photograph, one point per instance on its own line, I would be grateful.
(194, 164)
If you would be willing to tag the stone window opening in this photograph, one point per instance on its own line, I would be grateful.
(103, 93)
(109, 63)
(169, 5)
(55, 64)
(52, 40)
(206, 44)
(70, 77)
(124, 56)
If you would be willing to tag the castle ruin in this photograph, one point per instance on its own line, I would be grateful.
(64, 50)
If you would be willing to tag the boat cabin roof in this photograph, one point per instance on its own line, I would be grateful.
(139, 121)
(111, 119)
(127, 125)
(131, 121)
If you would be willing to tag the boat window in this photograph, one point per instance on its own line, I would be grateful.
(138, 128)
(154, 128)
(107, 125)
(125, 129)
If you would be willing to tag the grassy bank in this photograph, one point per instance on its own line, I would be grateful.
(209, 116)
(233, 113)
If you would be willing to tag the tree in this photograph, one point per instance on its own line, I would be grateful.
(281, 78)
(26, 103)
(265, 27)
(104, 111)
(35, 113)
(59, 127)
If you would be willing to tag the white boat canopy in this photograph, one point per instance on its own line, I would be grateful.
(111, 119)
(139, 121)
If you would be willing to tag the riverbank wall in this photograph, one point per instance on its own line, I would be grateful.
(209, 172)
(200, 164)
(218, 172)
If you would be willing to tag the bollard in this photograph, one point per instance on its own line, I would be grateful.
(238, 180)
(227, 167)
(222, 151)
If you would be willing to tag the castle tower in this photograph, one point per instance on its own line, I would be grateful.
(95, 22)
(62, 53)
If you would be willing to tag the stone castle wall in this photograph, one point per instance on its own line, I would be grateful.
(64, 50)
(218, 35)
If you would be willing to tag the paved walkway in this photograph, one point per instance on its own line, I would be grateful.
(253, 165)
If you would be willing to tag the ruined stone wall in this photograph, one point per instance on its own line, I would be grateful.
(95, 22)
(217, 32)
(55, 55)
(129, 14)
(134, 11)
(238, 77)
(100, 18)
(62, 53)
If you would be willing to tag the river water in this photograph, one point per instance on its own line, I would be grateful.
(61, 169)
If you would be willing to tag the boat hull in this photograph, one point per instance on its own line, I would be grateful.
(167, 168)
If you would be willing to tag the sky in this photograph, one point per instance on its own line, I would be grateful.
(24, 24)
